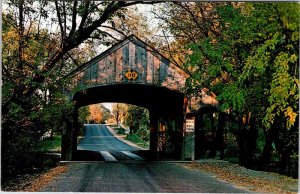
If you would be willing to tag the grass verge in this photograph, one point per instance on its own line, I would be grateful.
(50, 144)
(137, 140)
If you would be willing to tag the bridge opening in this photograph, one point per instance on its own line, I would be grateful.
(120, 132)
(152, 114)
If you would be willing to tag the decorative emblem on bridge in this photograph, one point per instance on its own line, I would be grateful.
(131, 74)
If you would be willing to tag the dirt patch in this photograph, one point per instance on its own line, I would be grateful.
(44, 179)
(256, 181)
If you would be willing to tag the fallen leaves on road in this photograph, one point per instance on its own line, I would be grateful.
(42, 180)
(255, 181)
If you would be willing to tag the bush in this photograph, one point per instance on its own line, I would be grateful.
(120, 131)
(231, 148)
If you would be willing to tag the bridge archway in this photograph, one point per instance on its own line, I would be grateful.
(164, 105)
(132, 72)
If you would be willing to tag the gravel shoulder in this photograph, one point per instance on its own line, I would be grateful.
(251, 180)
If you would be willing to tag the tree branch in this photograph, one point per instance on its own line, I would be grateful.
(74, 14)
(106, 33)
(59, 22)
(109, 27)
(85, 15)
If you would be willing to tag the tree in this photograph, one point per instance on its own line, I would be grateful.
(106, 113)
(119, 111)
(83, 114)
(96, 115)
(183, 23)
(137, 119)
(253, 66)
(247, 54)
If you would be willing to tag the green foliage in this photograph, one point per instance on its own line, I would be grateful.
(255, 56)
(26, 118)
(120, 130)
(253, 67)
(137, 118)
(284, 92)
(137, 140)
(138, 121)
(83, 114)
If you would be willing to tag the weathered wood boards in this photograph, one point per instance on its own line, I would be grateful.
(110, 67)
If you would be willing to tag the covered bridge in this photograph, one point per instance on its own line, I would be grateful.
(133, 72)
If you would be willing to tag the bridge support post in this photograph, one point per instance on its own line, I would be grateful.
(66, 144)
(153, 131)
(69, 135)
(75, 132)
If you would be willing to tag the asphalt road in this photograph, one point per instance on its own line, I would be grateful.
(98, 138)
(153, 177)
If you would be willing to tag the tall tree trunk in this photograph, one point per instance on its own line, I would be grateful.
(269, 139)
(241, 141)
(213, 151)
(247, 140)
(197, 135)
(220, 134)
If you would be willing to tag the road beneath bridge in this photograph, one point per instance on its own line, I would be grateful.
(132, 177)
(104, 146)
(124, 171)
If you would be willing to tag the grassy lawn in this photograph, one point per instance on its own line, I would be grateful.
(137, 140)
(50, 145)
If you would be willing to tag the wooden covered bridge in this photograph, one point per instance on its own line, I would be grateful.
(133, 72)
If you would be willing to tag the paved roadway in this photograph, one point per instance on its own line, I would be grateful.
(131, 176)
(162, 177)
(99, 138)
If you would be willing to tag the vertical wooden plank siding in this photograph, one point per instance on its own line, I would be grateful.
(151, 68)
(101, 72)
(115, 67)
(138, 63)
(162, 72)
(156, 62)
(107, 69)
(94, 72)
(150, 64)
(125, 62)
(132, 53)
(86, 75)
(111, 68)
(144, 62)
(119, 66)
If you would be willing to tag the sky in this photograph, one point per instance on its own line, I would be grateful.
(108, 106)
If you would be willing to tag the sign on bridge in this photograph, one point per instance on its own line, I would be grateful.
(131, 74)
